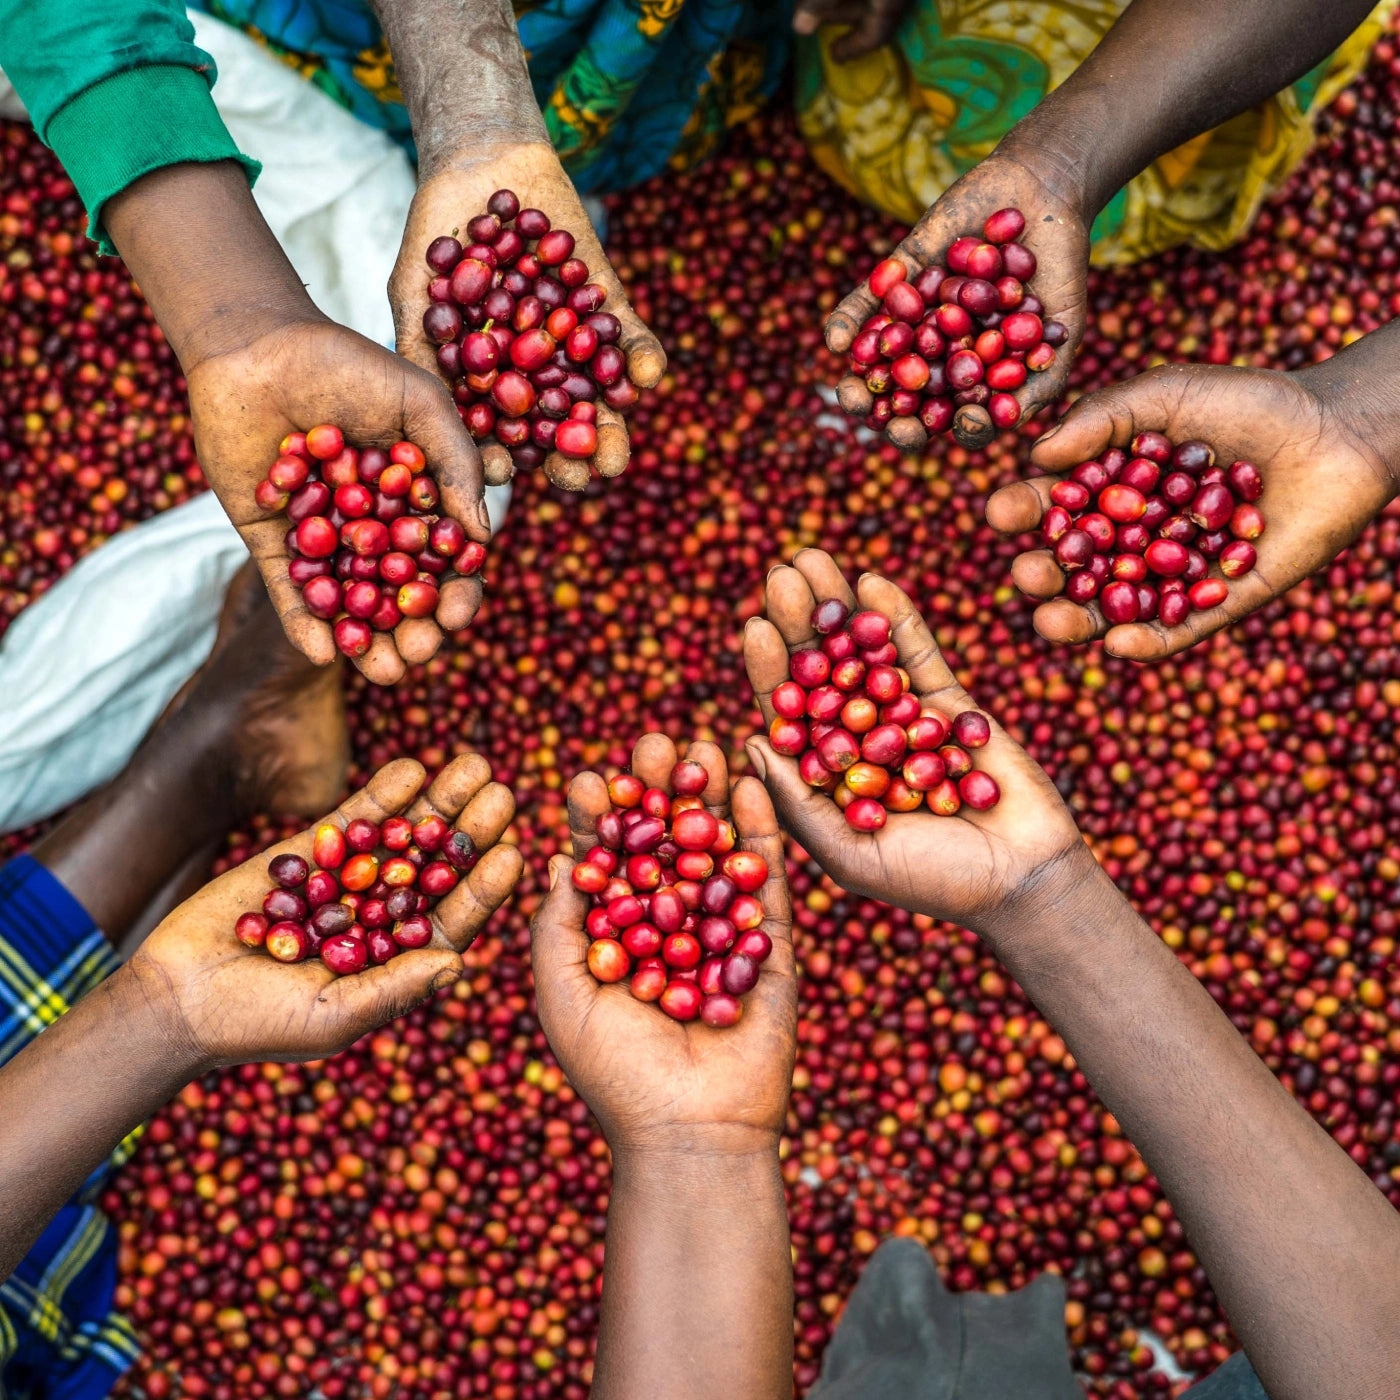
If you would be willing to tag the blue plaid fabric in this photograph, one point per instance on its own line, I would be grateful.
(59, 1338)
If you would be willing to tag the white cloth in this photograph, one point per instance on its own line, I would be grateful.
(87, 669)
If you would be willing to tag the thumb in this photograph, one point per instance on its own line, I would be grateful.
(558, 942)
(378, 994)
(809, 815)
(1110, 418)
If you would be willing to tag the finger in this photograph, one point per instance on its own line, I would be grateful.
(458, 603)
(711, 758)
(929, 673)
(367, 999)
(588, 800)
(453, 788)
(646, 360)
(1067, 623)
(310, 635)
(487, 815)
(613, 452)
(1151, 641)
(382, 663)
(757, 825)
(766, 661)
(459, 918)
(431, 420)
(788, 602)
(559, 945)
(417, 639)
(1037, 574)
(1111, 417)
(1020, 506)
(824, 576)
(813, 819)
(843, 325)
(653, 757)
(390, 790)
(567, 473)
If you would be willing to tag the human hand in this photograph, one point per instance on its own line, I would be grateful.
(971, 868)
(455, 191)
(655, 1083)
(229, 1004)
(308, 371)
(872, 23)
(1323, 482)
(1056, 232)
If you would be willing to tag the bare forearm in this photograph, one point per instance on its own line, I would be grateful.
(463, 76)
(213, 272)
(697, 1291)
(1303, 1251)
(72, 1094)
(1361, 384)
(1167, 71)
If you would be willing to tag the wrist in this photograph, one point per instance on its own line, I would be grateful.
(206, 261)
(698, 1167)
(434, 42)
(1068, 143)
(1052, 902)
(144, 1008)
(1358, 389)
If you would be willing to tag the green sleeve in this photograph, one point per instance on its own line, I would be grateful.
(116, 90)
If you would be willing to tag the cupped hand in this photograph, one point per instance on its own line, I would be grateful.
(314, 371)
(966, 868)
(456, 191)
(1323, 483)
(1056, 232)
(234, 1004)
(652, 1082)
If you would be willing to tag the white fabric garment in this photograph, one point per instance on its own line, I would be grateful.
(87, 669)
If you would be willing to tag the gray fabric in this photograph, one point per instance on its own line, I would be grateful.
(1235, 1380)
(903, 1336)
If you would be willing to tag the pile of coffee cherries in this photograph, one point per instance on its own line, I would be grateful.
(847, 715)
(675, 905)
(1139, 532)
(367, 549)
(367, 897)
(522, 335)
(967, 333)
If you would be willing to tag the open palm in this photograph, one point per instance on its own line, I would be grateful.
(238, 1004)
(1055, 232)
(1322, 484)
(960, 868)
(648, 1079)
(446, 200)
(245, 401)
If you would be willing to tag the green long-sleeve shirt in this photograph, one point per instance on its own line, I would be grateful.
(115, 90)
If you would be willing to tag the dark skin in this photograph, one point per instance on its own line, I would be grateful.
(473, 139)
(1326, 441)
(257, 729)
(692, 1117)
(262, 361)
(193, 998)
(1167, 71)
(1302, 1250)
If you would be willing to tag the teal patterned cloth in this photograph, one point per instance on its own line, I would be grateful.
(628, 88)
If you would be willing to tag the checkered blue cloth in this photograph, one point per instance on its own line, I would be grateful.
(59, 1338)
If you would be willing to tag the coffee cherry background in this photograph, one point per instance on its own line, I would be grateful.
(422, 1216)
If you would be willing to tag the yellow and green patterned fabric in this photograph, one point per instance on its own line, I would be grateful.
(899, 125)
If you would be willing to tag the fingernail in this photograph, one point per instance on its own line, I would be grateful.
(756, 758)
(445, 978)
(1045, 437)
(483, 515)
(553, 873)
